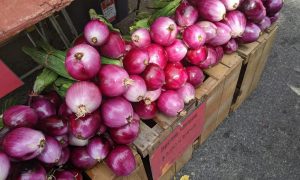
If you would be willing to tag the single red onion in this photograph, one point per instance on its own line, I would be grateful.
(275, 17)
(141, 38)
(96, 32)
(116, 112)
(145, 110)
(154, 77)
(65, 155)
(231, 46)
(80, 40)
(212, 10)
(220, 52)
(135, 61)
(20, 116)
(81, 159)
(76, 141)
(113, 80)
(121, 160)
(273, 6)
(264, 24)
(53, 125)
(231, 5)
(236, 20)
(187, 92)
(102, 129)
(197, 56)
(137, 90)
(52, 152)
(68, 175)
(128, 133)
(211, 59)
(63, 140)
(163, 31)
(98, 148)
(251, 33)
(43, 107)
(176, 51)
(85, 127)
(82, 62)
(176, 76)
(170, 103)
(64, 110)
(223, 35)
(185, 14)
(194, 37)
(254, 10)
(83, 97)
(54, 98)
(152, 96)
(23, 143)
(114, 47)
(195, 75)
(4, 165)
(209, 28)
(157, 55)
(29, 170)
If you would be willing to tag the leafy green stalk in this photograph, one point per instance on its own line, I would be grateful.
(43, 80)
(61, 85)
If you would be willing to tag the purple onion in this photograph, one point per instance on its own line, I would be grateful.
(211, 59)
(96, 32)
(237, 22)
(68, 175)
(194, 37)
(65, 155)
(163, 31)
(121, 160)
(64, 110)
(264, 24)
(231, 46)
(85, 127)
(231, 5)
(98, 148)
(20, 116)
(154, 77)
(223, 35)
(152, 96)
(114, 47)
(209, 28)
(273, 6)
(196, 56)
(43, 107)
(63, 140)
(52, 152)
(146, 110)
(76, 141)
(195, 75)
(141, 38)
(137, 90)
(29, 170)
(185, 14)
(82, 62)
(54, 98)
(251, 33)
(81, 159)
(54, 125)
(4, 165)
(135, 61)
(220, 52)
(170, 103)
(254, 10)
(187, 92)
(274, 18)
(23, 143)
(212, 10)
(176, 51)
(157, 55)
(102, 129)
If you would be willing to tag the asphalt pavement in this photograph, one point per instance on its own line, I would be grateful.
(261, 140)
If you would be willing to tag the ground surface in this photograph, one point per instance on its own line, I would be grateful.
(261, 140)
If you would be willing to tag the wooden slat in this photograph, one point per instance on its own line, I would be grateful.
(245, 50)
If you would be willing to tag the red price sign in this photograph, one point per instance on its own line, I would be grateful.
(8, 80)
(109, 9)
(177, 142)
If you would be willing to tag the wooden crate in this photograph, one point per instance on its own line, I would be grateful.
(254, 59)
(219, 89)
(103, 172)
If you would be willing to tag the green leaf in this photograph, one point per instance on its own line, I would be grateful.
(61, 85)
(143, 23)
(43, 80)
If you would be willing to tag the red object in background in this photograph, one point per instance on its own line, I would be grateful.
(109, 9)
(9, 80)
(177, 142)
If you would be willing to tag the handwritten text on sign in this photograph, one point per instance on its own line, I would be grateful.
(177, 142)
